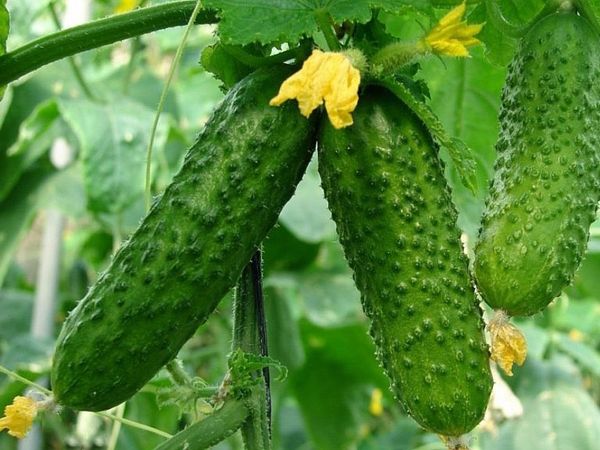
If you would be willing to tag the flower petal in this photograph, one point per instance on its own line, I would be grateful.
(324, 77)
(18, 417)
(508, 343)
(451, 36)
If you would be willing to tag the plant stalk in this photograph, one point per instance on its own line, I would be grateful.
(211, 430)
(98, 33)
(249, 335)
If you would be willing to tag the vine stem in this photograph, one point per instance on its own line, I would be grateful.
(249, 335)
(324, 22)
(97, 33)
(163, 98)
(133, 424)
(211, 430)
(24, 380)
(179, 375)
(116, 428)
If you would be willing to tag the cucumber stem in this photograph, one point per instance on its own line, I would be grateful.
(211, 430)
(324, 21)
(249, 335)
(395, 55)
(98, 33)
(179, 375)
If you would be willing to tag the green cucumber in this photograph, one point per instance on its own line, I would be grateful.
(395, 218)
(546, 186)
(189, 250)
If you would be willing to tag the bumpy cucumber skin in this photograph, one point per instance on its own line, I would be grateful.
(389, 199)
(547, 183)
(189, 250)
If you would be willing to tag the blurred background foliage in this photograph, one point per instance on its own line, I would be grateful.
(335, 396)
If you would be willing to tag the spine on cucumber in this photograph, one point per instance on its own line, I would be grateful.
(388, 196)
(547, 174)
(188, 251)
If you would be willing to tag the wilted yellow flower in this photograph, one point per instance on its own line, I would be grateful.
(508, 343)
(451, 36)
(126, 5)
(376, 406)
(325, 77)
(19, 416)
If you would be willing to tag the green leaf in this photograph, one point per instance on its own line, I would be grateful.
(18, 209)
(465, 95)
(36, 135)
(591, 10)
(28, 352)
(204, 89)
(143, 408)
(10, 388)
(326, 298)
(537, 340)
(284, 340)
(265, 21)
(580, 315)
(581, 352)
(306, 215)
(224, 66)
(460, 154)
(559, 419)
(587, 281)
(112, 139)
(558, 413)
(403, 436)
(4, 26)
(4, 29)
(284, 251)
(16, 317)
(537, 376)
(499, 45)
(333, 386)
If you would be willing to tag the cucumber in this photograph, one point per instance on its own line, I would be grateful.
(546, 186)
(385, 187)
(189, 250)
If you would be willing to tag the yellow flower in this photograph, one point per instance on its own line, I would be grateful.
(451, 36)
(126, 5)
(508, 343)
(375, 406)
(19, 416)
(325, 77)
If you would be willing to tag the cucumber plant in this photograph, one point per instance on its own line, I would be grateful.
(384, 181)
